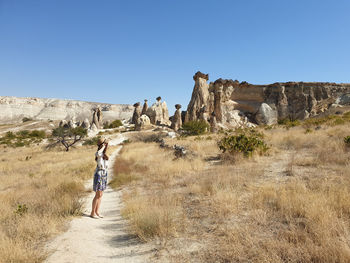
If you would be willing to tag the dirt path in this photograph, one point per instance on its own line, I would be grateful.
(99, 240)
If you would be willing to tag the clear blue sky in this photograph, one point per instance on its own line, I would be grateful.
(125, 51)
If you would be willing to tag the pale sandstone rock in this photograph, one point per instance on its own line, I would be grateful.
(177, 120)
(200, 96)
(95, 118)
(137, 113)
(213, 124)
(85, 124)
(343, 99)
(13, 109)
(145, 121)
(203, 115)
(144, 108)
(158, 113)
(63, 123)
(236, 104)
(71, 124)
(266, 115)
(93, 127)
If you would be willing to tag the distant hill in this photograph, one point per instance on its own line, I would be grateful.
(14, 109)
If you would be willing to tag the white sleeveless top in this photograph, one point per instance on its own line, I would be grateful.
(101, 163)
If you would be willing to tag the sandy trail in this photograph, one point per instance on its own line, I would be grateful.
(99, 240)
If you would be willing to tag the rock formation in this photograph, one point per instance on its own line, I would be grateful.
(177, 120)
(238, 104)
(99, 117)
(203, 115)
(137, 114)
(144, 120)
(95, 118)
(266, 115)
(14, 109)
(213, 125)
(85, 124)
(144, 108)
(199, 98)
(158, 113)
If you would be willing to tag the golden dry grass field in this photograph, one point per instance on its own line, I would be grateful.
(290, 205)
(39, 190)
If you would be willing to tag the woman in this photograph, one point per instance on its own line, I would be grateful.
(100, 177)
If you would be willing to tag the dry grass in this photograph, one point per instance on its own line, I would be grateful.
(290, 206)
(39, 190)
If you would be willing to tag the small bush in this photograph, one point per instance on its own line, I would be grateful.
(338, 121)
(37, 134)
(114, 124)
(25, 119)
(23, 138)
(21, 209)
(347, 140)
(242, 143)
(195, 128)
(10, 135)
(92, 141)
(289, 123)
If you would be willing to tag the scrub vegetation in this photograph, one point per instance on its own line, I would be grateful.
(291, 204)
(40, 189)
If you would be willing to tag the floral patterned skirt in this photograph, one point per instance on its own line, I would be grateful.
(100, 180)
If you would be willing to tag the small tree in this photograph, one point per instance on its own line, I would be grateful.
(195, 128)
(68, 136)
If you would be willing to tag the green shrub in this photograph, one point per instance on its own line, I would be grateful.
(242, 143)
(195, 128)
(21, 209)
(10, 135)
(346, 115)
(37, 134)
(22, 138)
(92, 141)
(289, 123)
(114, 124)
(23, 133)
(338, 121)
(347, 140)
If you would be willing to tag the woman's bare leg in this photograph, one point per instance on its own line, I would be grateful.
(98, 202)
(94, 204)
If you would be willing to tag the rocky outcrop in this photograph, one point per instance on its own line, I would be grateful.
(158, 113)
(85, 124)
(137, 114)
(238, 104)
(97, 118)
(266, 115)
(213, 124)
(144, 108)
(14, 109)
(176, 119)
(145, 121)
(199, 98)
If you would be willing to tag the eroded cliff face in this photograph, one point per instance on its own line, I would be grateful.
(13, 109)
(240, 104)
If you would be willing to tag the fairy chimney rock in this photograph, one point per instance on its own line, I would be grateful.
(144, 108)
(177, 120)
(158, 113)
(199, 98)
(137, 114)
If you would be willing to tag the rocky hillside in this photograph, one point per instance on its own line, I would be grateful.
(13, 109)
(235, 103)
